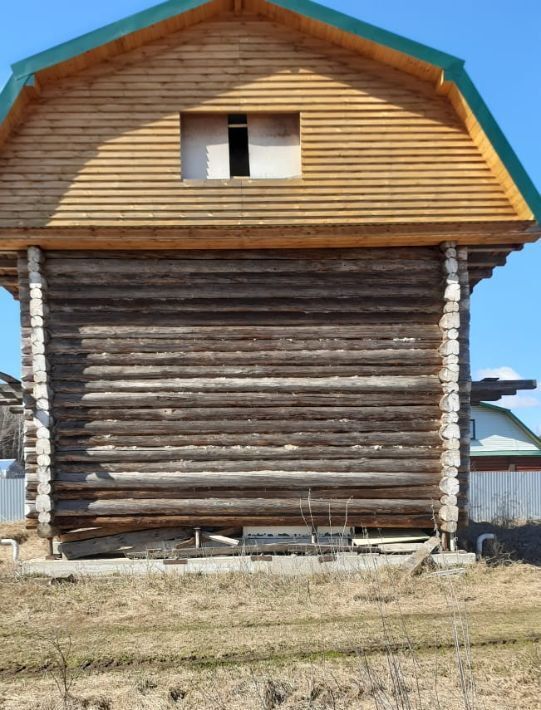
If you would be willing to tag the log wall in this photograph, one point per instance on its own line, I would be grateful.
(244, 387)
(378, 146)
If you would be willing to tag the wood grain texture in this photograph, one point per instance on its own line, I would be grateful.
(233, 384)
(103, 148)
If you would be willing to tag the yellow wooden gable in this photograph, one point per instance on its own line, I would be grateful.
(386, 139)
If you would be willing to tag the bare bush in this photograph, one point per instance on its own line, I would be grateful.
(11, 435)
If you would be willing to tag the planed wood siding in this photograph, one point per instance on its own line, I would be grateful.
(378, 146)
(218, 387)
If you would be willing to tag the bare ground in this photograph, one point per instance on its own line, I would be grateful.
(257, 641)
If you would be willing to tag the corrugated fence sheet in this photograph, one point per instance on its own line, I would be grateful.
(11, 499)
(505, 495)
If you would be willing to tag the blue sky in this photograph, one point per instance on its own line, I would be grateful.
(500, 42)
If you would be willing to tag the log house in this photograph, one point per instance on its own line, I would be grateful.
(243, 235)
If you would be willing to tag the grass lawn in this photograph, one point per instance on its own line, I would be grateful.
(258, 641)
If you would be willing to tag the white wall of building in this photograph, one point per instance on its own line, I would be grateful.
(495, 431)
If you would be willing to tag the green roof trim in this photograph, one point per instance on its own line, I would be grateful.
(10, 93)
(109, 33)
(452, 66)
(497, 137)
(346, 23)
(508, 413)
(514, 452)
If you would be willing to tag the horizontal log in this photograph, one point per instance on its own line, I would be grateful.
(67, 374)
(140, 363)
(240, 425)
(226, 306)
(332, 439)
(116, 265)
(228, 464)
(265, 316)
(239, 507)
(108, 455)
(178, 351)
(196, 290)
(365, 520)
(421, 383)
(98, 416)
(252, 331)
(190, 400)
(252, 480)
(181, 349)
(319, 255)
(429, 493)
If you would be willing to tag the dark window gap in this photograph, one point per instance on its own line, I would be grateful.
(239, 160)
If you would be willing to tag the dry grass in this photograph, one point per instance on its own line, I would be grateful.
(233, 641)
(507, 679)
(31, 545)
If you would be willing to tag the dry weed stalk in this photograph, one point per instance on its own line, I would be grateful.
(60, 669)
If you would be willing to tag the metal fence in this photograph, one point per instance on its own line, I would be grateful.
(12, 497)
(505, 496)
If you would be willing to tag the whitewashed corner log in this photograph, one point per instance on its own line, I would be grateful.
(465, 374)
(450, 376)
(42, 395)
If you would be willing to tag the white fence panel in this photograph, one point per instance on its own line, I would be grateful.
(12, 495)
(505, 495)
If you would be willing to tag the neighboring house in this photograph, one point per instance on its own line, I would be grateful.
(501, 442)
(9, 468)
(244, 234)
(12, 491)
(505, 479)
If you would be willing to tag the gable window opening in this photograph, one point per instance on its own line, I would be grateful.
(239, 158)
(239, 145)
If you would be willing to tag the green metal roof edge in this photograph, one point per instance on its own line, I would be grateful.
(346, 23)
(496, 136)
(104, 35)
(11, 92)
(514, 452)
(452, 66)
(515, 419)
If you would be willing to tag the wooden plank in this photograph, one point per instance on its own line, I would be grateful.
(419, 557)
(121, 543)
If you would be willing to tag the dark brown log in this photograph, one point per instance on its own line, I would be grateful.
(253, 331)
(124, 400)
(366, 520)
(81, 492)
(64, 375)
(198, 291)
(331, 439)
(240, 507)
(360, 385)
(213, 453)
(403, 464)
(381, 414)
(141, 362)
(242, 426)
(141, 349)
(291, 480)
